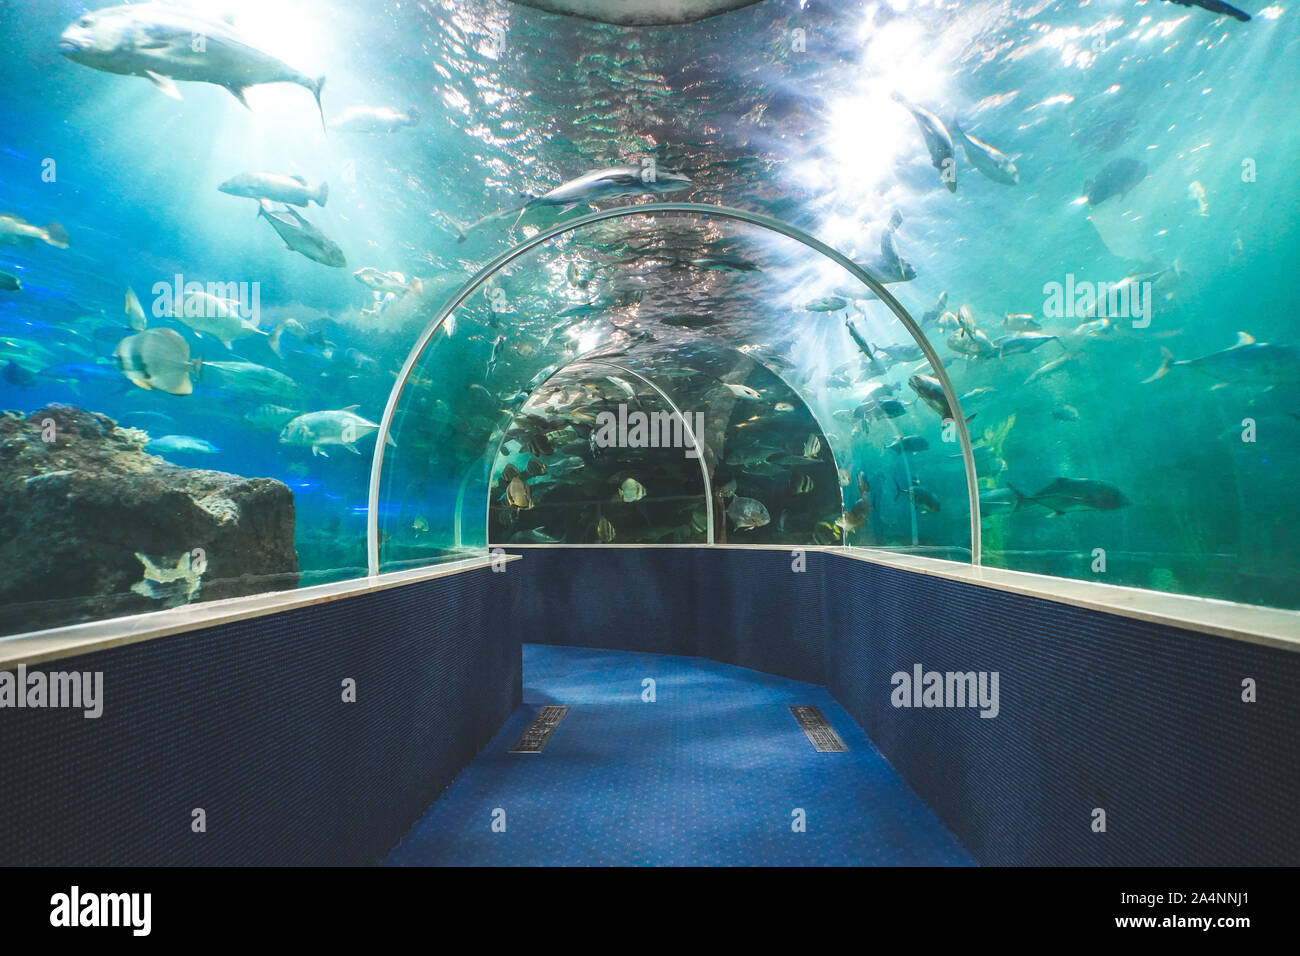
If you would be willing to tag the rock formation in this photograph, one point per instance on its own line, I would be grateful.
(92, 526)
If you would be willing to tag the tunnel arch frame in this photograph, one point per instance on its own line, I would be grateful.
(596, 358)
(704, 210)
(645, 380)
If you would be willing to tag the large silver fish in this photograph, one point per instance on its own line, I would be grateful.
(220, 318)
(614, 181)
(291, 190)
(251, 378)
(16, 231)
(158, 359)
(930, 391)
(626, 14)
(973, 344)
(937, 140)
(993, 163)
(374, 119)
(164, 43)
(301, 236)
(342, 427)
(1017, 343)
(889, 266)
(1257, 364)
(181, 445)
(397, 283)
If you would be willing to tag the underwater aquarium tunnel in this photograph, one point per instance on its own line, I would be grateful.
(701, 433)
(736, 438)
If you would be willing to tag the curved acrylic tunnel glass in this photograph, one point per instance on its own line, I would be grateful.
(642, 411)
(454, 415)
(598, 454)
(770, 464)
(815, 392)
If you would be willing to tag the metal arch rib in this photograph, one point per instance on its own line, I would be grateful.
(649, 209)
(686, 426)
(594, 358)
(812, 413)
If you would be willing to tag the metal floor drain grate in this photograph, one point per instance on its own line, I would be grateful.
(538, 733)
(821, 734)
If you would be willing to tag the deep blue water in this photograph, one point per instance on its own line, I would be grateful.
(513, 102)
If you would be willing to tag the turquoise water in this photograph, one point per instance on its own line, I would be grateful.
(777, 108)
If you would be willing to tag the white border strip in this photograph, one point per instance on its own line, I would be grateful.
(1241, 622)
(1271, 627)
(59, 642)
(1251, 623)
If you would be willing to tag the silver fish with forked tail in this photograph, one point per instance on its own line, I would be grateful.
(302, 237)
(614, 181)
(1257, 364)
(937, 140)
(164, 43)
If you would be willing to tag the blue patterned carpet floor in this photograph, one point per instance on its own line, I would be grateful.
(711, 773)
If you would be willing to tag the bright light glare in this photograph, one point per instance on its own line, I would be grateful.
(285, 30)
(863, 144)
(869, 134)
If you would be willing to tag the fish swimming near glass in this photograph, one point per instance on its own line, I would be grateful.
(342, 427)
(1258, 364)
(747, 513)
(937, 140)
(181, 445)
(614, 181)
(301, 236)
(992, 163)
(630, 490)
(292, 190)
(374, 119)
(1117, 178)
(889, 267)
(158, 359)
(1215, 6)
(176, 583)
(1063, 495)
(15, 230)
(164, 43)
(926, 501)
(930, 391)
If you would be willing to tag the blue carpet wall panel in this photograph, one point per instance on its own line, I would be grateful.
(1097, 711)
(246, 721)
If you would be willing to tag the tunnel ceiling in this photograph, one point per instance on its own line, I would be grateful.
(679, 280)
(639, 12)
